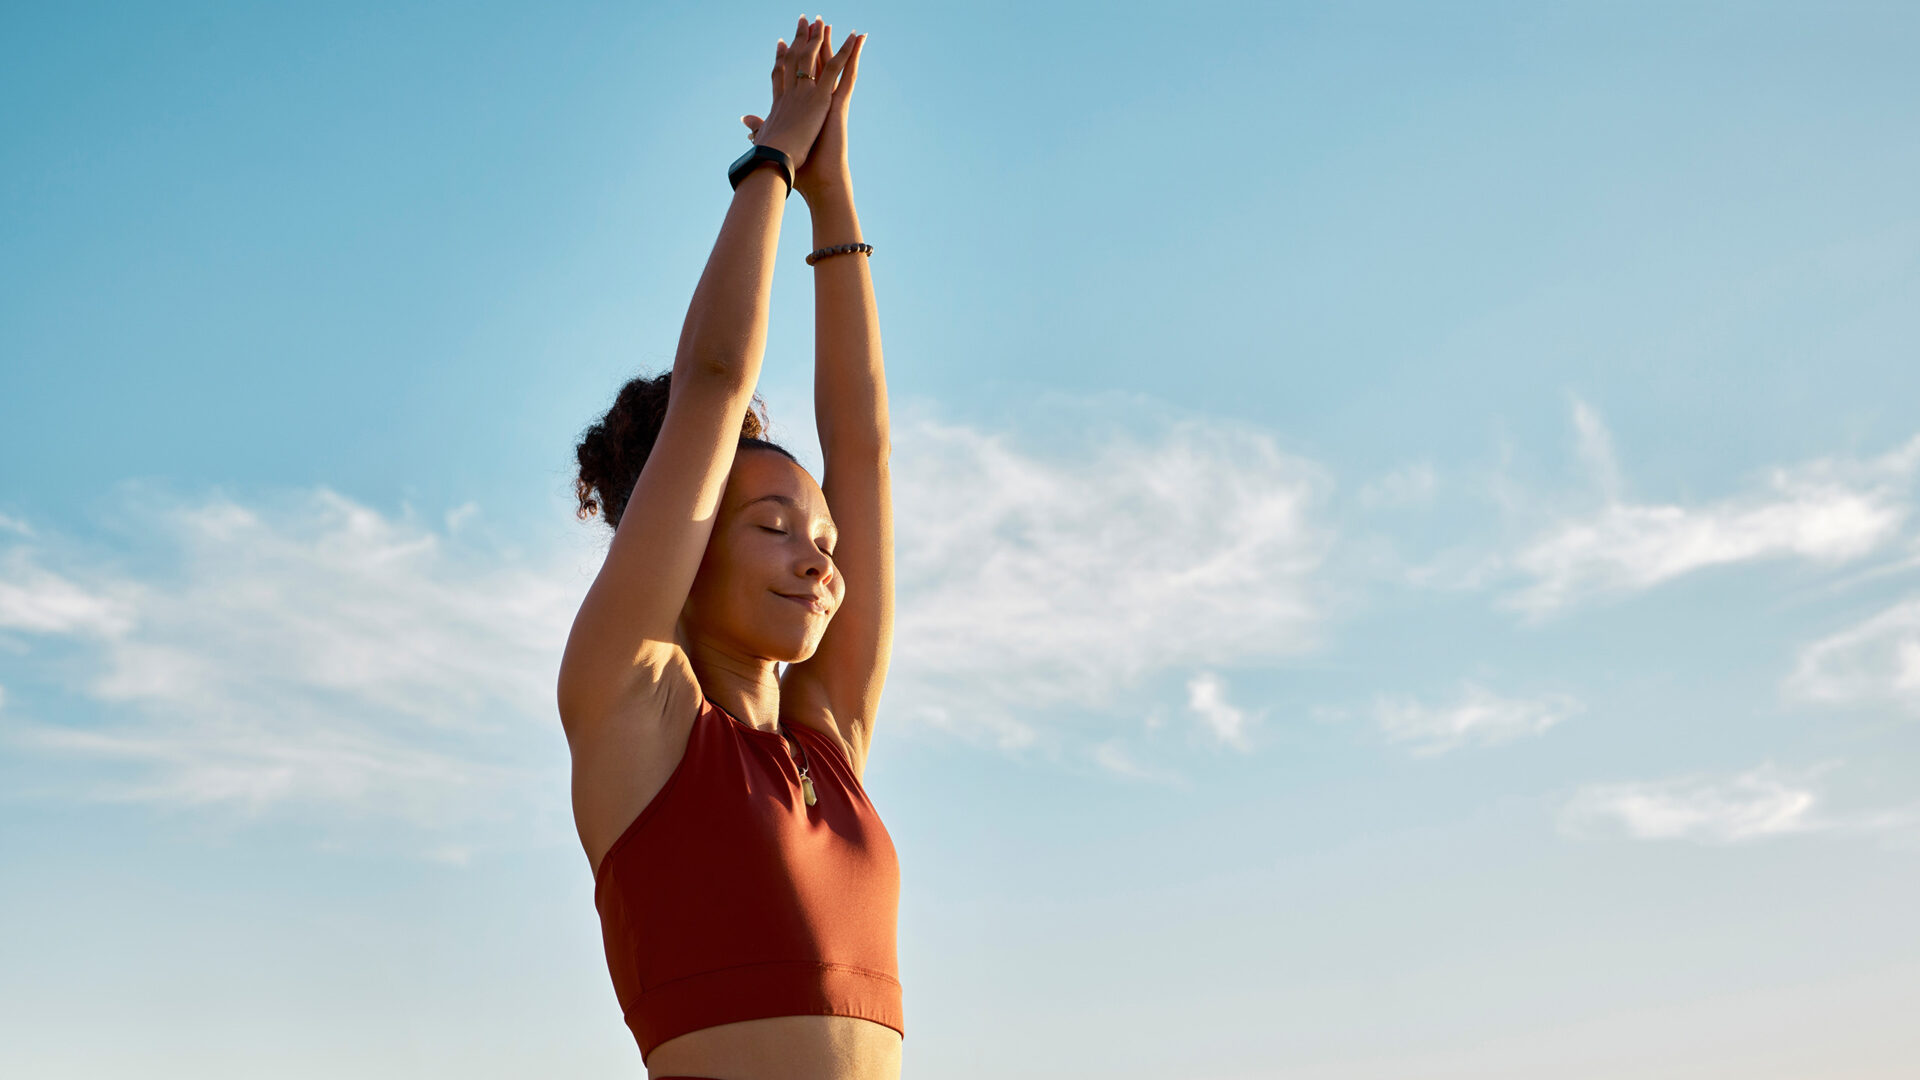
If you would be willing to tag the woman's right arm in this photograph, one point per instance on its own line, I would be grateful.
(623, 635)
(624, 630)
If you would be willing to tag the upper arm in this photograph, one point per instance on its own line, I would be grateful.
(625, 627)
(841, 682)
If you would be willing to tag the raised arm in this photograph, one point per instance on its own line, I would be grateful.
(845, 675)
(624, 631)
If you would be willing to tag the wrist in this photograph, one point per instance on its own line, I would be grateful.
(797, 154)
(760, 158)
(828, 193)
(834, 219)
(765, 178)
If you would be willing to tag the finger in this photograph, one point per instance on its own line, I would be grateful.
(848, 66)
(810, 50)
(780, 66)
(790, 57)
(826, 47)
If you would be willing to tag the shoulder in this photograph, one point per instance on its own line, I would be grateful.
(623, 758)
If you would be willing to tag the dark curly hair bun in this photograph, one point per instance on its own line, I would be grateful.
(613, 450)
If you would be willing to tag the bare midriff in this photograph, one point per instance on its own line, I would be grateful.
(783, 1048)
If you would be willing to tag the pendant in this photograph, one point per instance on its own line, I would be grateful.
(806, 785)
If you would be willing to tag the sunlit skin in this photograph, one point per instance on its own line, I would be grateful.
(832, 539)
(774, 536)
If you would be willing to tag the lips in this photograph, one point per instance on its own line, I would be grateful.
(811, 603)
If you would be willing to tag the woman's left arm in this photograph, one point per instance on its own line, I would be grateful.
(846, 672)
(850, 409)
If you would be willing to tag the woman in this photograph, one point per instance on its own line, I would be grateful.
(748, 893)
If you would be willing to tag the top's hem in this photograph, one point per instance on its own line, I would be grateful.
(751, 992)
(810, 965)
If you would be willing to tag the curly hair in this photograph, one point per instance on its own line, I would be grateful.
(612, 451)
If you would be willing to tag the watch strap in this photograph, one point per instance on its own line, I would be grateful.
(757, 156)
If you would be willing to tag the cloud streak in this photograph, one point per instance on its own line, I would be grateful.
(1828, 511)
(1874, 662)
(1477, 716)
(1759, 804)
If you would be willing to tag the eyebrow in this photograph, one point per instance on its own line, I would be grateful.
(776, 497)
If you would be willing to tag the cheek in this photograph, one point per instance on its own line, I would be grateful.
(762, 559)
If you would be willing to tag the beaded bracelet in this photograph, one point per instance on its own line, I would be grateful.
(839, 249)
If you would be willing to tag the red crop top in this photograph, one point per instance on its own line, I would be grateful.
(729, 898)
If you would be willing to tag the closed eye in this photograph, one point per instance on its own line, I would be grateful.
(783, 532)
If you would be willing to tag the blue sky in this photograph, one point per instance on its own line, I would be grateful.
(1407, 552)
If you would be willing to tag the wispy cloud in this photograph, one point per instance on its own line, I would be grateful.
(1030, 585)
(1594, 444)
(1755, 805)
(1207, 697)
(1475, 716)
(1874, 662)
(1829, 511)
(1113, 756)
(39, 601)
(313, 652)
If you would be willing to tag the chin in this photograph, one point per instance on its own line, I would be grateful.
(787, 650)
(797, 652)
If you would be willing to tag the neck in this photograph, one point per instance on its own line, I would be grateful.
(747, 687)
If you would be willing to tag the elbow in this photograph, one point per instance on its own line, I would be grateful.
(714, 365)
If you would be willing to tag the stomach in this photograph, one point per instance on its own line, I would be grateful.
(783, 1048)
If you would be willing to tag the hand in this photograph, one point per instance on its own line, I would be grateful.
(820, 163)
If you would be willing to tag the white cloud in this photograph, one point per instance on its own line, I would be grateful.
(40, 602)
(1876, 661)
(314, 653)
(1477, 716)
(1758, 804)
(1029, 586)
(1595, 446)
(1207, 697)
(1829, 511)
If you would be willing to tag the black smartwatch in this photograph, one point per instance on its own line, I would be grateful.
(756, 157)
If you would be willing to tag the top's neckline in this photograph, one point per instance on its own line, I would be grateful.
(757, 731)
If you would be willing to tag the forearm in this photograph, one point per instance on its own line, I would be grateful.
(849, 379)
(725, 332)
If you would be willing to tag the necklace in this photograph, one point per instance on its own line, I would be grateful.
(806, 782)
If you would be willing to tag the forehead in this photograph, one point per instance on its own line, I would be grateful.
(769, 480)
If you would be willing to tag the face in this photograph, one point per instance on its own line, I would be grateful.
(773, 539)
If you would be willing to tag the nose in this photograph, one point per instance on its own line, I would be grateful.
(818, 566)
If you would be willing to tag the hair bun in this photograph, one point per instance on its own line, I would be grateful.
(613, 450)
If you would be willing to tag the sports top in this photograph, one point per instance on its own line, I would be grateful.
(729, 898)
